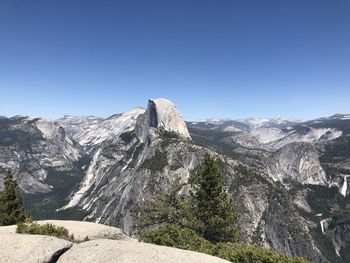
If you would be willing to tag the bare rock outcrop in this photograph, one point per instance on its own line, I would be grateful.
(31, 248)
(80, 230)
(92, 231)
(18, 248)
(132, 252)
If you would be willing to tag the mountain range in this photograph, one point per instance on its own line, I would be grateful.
(288, 178)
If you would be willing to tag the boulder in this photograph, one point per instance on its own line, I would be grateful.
(31, 248)
(116, 251)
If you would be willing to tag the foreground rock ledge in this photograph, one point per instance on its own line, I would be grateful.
(31, 248)
(111, 245)
(132, 252)
(80, 230)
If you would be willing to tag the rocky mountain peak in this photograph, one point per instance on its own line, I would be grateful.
(49, 129)
(90, 131)
(169, 118)
(162, 113)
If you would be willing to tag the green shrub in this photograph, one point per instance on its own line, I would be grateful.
(157, 162)
(168, 207)
(185, 238)
(203, 222)
(175, 236)
(46, 229)
(244, 253)
(33, 228)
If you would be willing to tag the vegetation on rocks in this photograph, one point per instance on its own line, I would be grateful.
(202, 222)
(167, 208)
(184, 238)
(46, 230)
(172, 235)
(34, 228)
(11, 210)
(244, 253)
(157, 162)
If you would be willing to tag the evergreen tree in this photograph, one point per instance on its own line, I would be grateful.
(215, 212)
(11, 211)
(167, 208)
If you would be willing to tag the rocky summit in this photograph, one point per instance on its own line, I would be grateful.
(294, 200)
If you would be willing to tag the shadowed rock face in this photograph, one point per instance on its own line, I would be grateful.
(153, 116)
(161, 114)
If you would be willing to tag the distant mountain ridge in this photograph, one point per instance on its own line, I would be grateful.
(99, 169)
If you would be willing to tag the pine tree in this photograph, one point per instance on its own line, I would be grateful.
(215, 212)
(169, 207)
(11, 211)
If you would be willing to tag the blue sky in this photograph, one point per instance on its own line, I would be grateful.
(232, 59)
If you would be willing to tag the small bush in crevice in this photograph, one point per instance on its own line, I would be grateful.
(46, 229)
(176, 236)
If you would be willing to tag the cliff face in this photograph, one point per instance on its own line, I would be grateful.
(297, 162)
(310, 161)
(31, 148)
(90, 131)
(99, 169)
(161, 114)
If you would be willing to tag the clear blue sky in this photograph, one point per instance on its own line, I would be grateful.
(235, 58)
